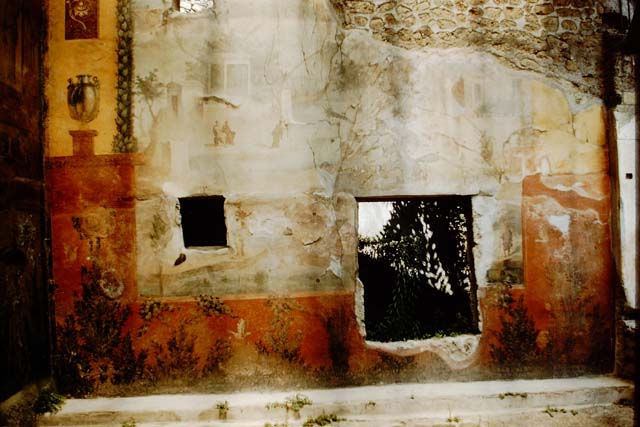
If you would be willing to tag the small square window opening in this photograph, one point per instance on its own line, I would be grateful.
(203, 222)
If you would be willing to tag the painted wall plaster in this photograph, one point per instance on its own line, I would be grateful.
(332, 113)
(67, 58)
(291, 113)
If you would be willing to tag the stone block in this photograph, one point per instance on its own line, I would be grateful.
(446, 24)
(492, 12)
(376, 25)
(403, 10)
(386, 7)
(409, 21)
(544, 9)
(571, 65)
(513, 13)
(565, 12)
(358, 6)
(390, 19)
(550, 23)
(360, 21)
(532, 28)
(629, 98)
(569, 25)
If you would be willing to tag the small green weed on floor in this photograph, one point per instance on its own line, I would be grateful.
(48, 402)
(129, 423)
(551, 411)
(322, 420)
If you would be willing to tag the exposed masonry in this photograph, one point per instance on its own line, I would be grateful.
(561, 39)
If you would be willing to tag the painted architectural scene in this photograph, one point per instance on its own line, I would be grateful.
(240, 195)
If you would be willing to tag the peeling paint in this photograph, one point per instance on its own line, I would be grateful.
(561, 222)
(335, 267)
(292, 114)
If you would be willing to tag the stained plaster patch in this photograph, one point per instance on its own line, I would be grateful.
(578, 188)
(458, 352)
(561, 222)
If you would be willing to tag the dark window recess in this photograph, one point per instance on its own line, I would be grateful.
(203, 221)
(416, 268)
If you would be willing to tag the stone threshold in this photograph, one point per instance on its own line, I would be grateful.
(385, 405)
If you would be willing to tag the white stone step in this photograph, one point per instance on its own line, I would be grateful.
(479, 403)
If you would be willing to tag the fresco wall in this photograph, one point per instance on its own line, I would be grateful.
(292, 112)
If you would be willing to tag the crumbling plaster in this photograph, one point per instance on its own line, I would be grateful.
(292, 110)
(360, 117)
(559, 39)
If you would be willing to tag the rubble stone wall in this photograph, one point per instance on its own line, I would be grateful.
(560, 38)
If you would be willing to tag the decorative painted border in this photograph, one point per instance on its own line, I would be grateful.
(81, 19)
(124, 141)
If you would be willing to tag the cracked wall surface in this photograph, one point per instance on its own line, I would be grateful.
(292, 110)
(351, 100)
(329, 110)
(259, 132)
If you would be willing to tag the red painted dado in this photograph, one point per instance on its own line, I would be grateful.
(91, 203)
(310, 339)
(568, 265)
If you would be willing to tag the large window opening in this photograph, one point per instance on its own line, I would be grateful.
(202, 219)
(415, 264)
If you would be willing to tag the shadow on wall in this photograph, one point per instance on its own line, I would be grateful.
(25, 323)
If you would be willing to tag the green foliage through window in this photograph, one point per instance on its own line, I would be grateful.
(417, 271)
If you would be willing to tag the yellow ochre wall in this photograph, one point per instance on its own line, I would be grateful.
(68, 58)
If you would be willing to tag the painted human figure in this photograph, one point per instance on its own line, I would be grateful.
(278, 133)
(217, 134)
(229, 135)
